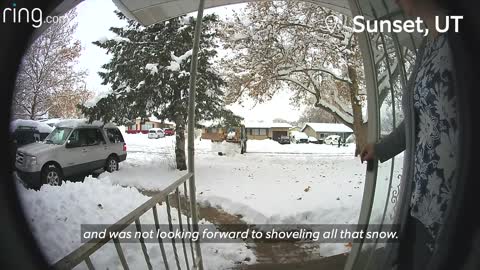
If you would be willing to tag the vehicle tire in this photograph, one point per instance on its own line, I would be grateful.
(52, 175)
(112, 164)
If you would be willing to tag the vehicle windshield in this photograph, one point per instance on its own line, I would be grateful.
(152, 131)
(58, 136)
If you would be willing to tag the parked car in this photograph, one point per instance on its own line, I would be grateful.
(155, 133)
(313, 140)
(284, 140)
(40, 129)
(25, 135)
(237, 135)
(332, 139)
(231, 135)
(24, 132)
(299, 137)
(169, 132)
(73, 150)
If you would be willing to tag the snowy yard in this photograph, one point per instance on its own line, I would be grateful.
(56, 214)
(324, 185)
(272, 183)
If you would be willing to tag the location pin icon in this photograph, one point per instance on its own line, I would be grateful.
(331, 22)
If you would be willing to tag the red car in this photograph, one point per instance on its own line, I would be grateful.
(169, 132)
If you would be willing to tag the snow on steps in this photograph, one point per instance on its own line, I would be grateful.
(336, 262)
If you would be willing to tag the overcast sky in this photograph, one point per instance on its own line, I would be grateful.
(94, 19)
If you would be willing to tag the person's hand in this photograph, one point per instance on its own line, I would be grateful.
(368, 152)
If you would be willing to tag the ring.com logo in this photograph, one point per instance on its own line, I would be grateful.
(33, 16)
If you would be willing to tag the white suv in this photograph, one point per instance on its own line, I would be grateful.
(332, 139)
(299, 137)
(155, 133)
(72, 151)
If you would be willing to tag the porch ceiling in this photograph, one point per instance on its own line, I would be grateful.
(148, 12)
(152, 11)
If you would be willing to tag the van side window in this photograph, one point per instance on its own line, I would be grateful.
(94, 136)
(114, 135)
(86, 137)
(100, 137)
(90, 136)
(77, 138)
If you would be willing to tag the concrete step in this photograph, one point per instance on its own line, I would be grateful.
(336, 262)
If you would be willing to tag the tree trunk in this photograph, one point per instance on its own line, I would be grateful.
(34, 107)
(180, 156)
(359, 128)
(360, 138)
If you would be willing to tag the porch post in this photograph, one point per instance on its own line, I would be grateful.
(191, 129)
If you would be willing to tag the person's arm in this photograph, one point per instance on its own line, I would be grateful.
(392, 144)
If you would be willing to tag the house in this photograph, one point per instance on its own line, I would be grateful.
(214, 133)
(266, 130)
(142, 125)
(212, 130)
(322, 130)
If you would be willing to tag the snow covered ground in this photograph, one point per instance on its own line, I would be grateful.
(309, 186)
(270, 146)
(56, 213)
(271, 184)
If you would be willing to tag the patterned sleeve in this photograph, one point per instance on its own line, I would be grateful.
(392, 144)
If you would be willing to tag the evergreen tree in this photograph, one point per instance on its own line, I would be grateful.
(149, 75)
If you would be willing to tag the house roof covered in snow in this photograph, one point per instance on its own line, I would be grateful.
(209, 123)
(156, 120)
(267, 125)
(327, 127)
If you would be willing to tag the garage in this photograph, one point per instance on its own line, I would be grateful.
(277, 134)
